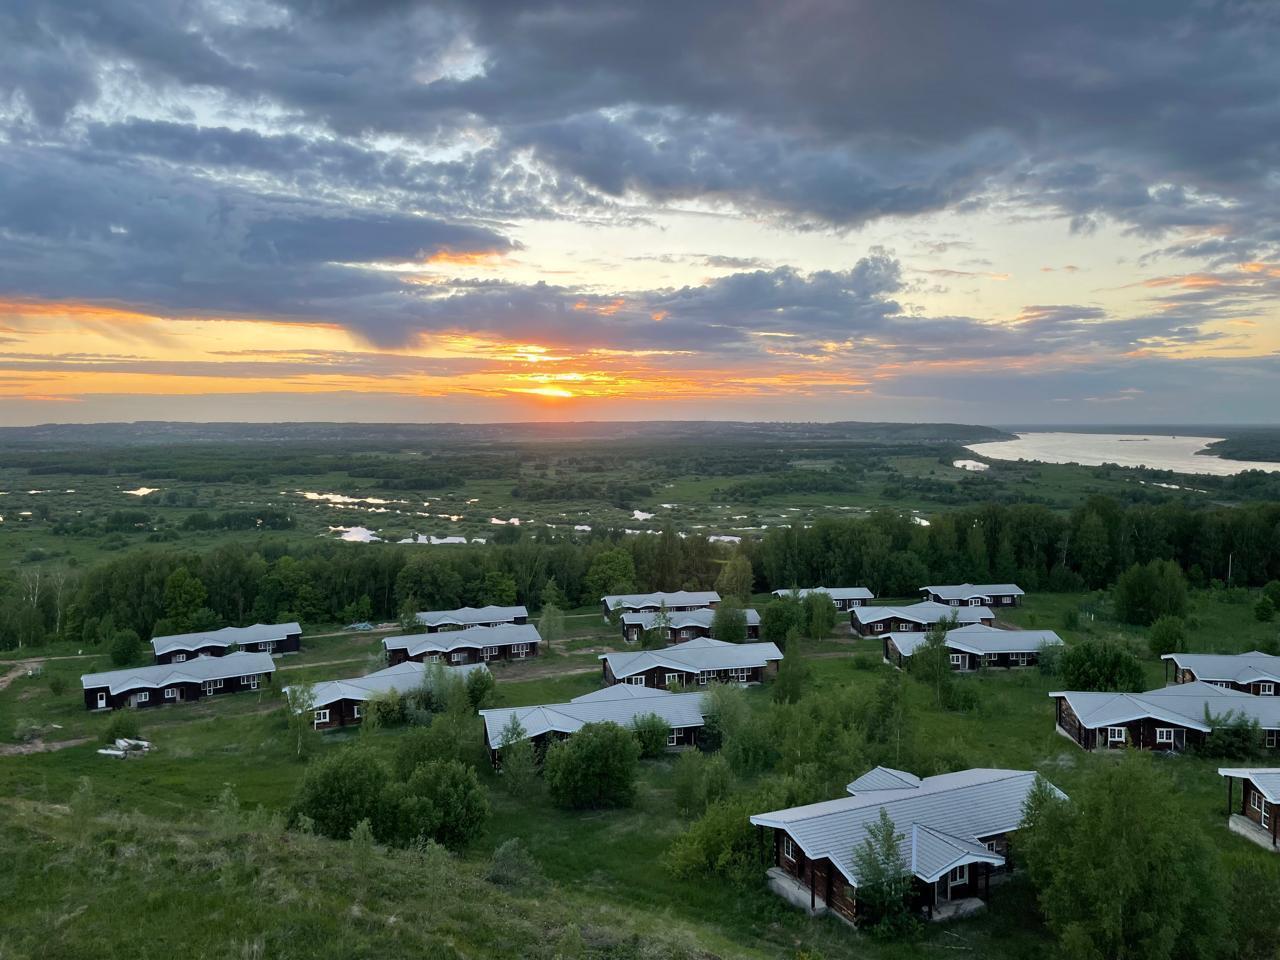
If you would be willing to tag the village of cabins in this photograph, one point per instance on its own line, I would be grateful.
(955, 826)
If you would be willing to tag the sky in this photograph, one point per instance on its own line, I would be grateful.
(382, 210)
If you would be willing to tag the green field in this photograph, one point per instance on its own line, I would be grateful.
(156, 837)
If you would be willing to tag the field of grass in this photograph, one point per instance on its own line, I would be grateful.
(285, 895)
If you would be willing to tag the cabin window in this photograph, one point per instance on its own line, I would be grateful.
(672, 678)
(957, 659)
(250, 681)
(489, 653)
(673, 737)
(878, 627)
(1266, 689)
(1164, 734)
(1006, 599)
(788, 849)
(170, 693)
(179, 658)
(322, 716)
(520, 649)
(357, 711)
(975, 602)
(1273, 738)
(267, 646)
(991, 845)
(685, 634)
(739, 674)
(1116, 734)
(636, 681)
(142, 697)
(959, 874)
(703, 677)
(955, 603)
(457, 656)
(1266, 816)
(1021, 659)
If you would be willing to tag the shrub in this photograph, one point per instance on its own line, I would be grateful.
(1233, 737)
(651, 734)
(125, 647)
(25, 730)
(779, 616)
(1272, 592)
(792, 679)
(1146, 592)
(1103, 665)
(513, 866)
(1264, 611)
(123, 725)
(480, 686)
(385, 710)
(866, 661)
(1168, 635)
(595, 767)
(340, 790)
(699, 780)
(57, 686)
(729, 622)
(458, 803)
(1071, 620)
(1049, 659)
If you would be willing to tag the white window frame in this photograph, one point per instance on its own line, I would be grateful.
(954, 603)
(456, 656)
(906, 627)
(957, 659)
(520, 650)
(975, 601)
(321, 716)
(1164, 735)
(142, 696)
(878, 627)
(1266, 689)
(267, 646)
(637, 680)
(170, 693)
(1273, 738)
(489, 653)
(357, 711)
(991, 845)
(672, 678)
(673, 736)
(788, 848)
(703, 677)
(1123, 734)
(1021, 657)
(958, 874)
(250, 681)
(179, 658)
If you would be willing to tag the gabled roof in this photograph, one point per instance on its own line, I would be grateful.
(883, 778)
(1182, 704)
(954, 811)
(681, 619)
(1248, 667)
(1266, 779)
(504, 634)
(198, 670)
(601, 706)
(469, 616)
(226, 637)
(403, 677)
(969, 591)
(835, 593)
(703, 653)
(677, 598)
(979, 639)
(926, 611)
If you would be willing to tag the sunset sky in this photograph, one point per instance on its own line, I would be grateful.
(994, 212)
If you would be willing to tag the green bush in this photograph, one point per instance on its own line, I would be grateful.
(1146, 592)
(651, 734)
(1103, 665)
(57, 686)
(123, 725)
(340, 790)
(1264, 611)
(1168, 635)
(595, 767)
(513, 866)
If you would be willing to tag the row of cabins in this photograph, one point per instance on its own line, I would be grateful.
(464, 618)
(693, 663)
(507, 641)
(976, 647)
(341, 703)
(914, 618)
(681, 625)
(166, 683)
(270, 638)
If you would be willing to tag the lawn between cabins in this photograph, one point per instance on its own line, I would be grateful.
(613, 857)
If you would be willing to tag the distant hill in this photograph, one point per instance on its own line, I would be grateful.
(383, 435)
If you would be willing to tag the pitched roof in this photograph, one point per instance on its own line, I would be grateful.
(835, 593)
(979, 639)
(1183, 704)
(504, 634)
(926, 611)
(1234, 668)
(197, 670)
(703, 653)
(677, 598)
(953, 812)
(226, 637)
(469, 616)
(403, 677)
(1266, 779)
(601, 706)
(883, 778)
(681, 619)
(966, 591)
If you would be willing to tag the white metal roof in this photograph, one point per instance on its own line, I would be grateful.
(403, 677)
(968, 591)
(470, 616)
(1266, 779)
(883, 778)
(954, 810)
(924, 612)
(979, 639)
(1183, 704)
(602, 706)
(835, 593)
(677, 598)
(1234, 668)
(681, 619)
(504, 634)
(197, 670)
(703, 653)
(226, 637)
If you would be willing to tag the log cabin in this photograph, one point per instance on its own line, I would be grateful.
(1259, 816)
(975, 594)
(1253, 672)
(976, 647)
(342, 703)
(954, 829)
(508, 641)
(913, 618)
(694, 663)
(683, 625)
(168, 683)
(674, 601)
(1168, 719)
(842, 597)
(465, 618)
(545, 723)
(255, 638)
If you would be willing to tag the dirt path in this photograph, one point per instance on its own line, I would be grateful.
(22, 666)
(39, 746)
(322, 663)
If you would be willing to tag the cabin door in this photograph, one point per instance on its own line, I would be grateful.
(102, 700)
(1179, 738)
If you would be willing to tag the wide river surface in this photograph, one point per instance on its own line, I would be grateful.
(1128, 450)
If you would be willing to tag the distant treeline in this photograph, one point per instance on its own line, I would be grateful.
(888, 552)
